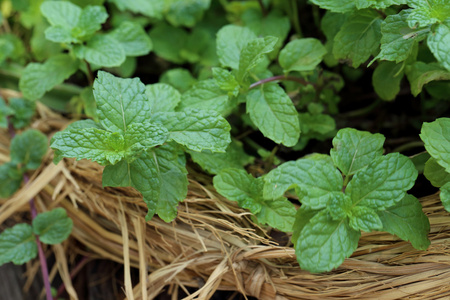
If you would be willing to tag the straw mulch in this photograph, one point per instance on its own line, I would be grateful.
(214, 245)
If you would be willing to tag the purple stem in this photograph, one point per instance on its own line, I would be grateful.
(280, 77)
(74, 273)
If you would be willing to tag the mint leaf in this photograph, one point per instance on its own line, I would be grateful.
(439, 42)
(445, 196)
(383, 182)
(358, 38)
(238, 185)
(386, 80)
(5, 112)
(319, 123)
(324, 243)
(28, 148)
(302, 217)
(10, 179)
(231, 39)
(169, 49)
(315, 181)
(120, 102)
(226, 81)
(301, 55)
(196, 129)
(437, 141)
(39, 78)
(133, 39)
(90, 21)
(330, 24)
(206, 94)
(162, 97)
(274, 114)
(340, 206)
(428, 12)
(378, 4)
(253, 53)
(398, 38)
(53, 227)
(435, 173)
(212, 162)
(153, 9)
(353, 150)
(17, 244)
(420, 73)
(407, 221)
(279, 214)
(24, 111)
(179, 78)
(364, 218)
(59, 34)
(336, 6)
(61, 13)
(186, 13)
(101, 50)
(142, 136)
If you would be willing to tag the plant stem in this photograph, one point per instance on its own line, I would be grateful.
(280, 77)
(295, 19)
(263, 9)
(90, 75)
(74, 272)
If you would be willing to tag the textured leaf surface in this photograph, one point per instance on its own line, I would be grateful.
(324, 243)
(364, 218)
(226, 81)
(61, 13)
(231, 39)
(162, 97)
(101, 50)
(39, 78)
(120, 102)
(315, 180)
(17, 244)
(10, 179)
(133, 39)
(317, 123)
(153, 9)
(436, 137)
(445, 196)
(427, 12)
(279, 214)
(186, 13)
(24, 111)
(407, 221)
(90, 20)
(28, 148)
(386, 80)
(273, 112)
(353, 150)
(301, 55)
(436, 173)
(439, 43)
(382, 183)
(53, 227)
(378, 4)
(358, 38)
(420, 73)
(336, 6)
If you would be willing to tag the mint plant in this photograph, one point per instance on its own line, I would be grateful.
(140, 140)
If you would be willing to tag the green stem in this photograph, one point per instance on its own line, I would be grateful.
(295, 19)
(263, 9)
(90, 75)
(278, 78)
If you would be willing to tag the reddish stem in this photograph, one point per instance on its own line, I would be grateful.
(74, 273)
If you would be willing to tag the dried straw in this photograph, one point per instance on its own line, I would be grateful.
(214, 245)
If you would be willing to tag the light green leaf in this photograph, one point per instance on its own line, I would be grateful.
(186, 13)
(383, 182)
(39, 78)
(364, 218)
(153, 9)
(61, 13)
(142, 136)
(162, 97)
(179, 78)
(324, 243)
(238, 185)
(407, 221)
(420, 73)
(339, 206)
(437, 140)
(231, 39)
(226, 81)
(302, 55)
(10, 179)
(279, 214)
(428, 12)
(435, 173)
(386, 80)
(5, 112)
(439, 43)
(445, 196)
(330, 24)
(120, 102)
(358, 38)
(273, 112)
(169, 49)
(316, 181)
(59, 34)
(17, 244)
(133, 39)
(336, 6)
(101, 50)
(316, 123)
(302, 218)
(53, 227)
(378, 4)
(353, 150)
(28, 148)
(253, 53)
(196, 129)
(90, 21)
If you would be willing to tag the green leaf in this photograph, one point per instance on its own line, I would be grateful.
(364, 218)
(437, 141)
(336, 6)
(279, 214)
(378, 4)
(358, 38)
(253, 53)
(206, 94)
(398, 38)
(61, 13)
(407, 221)
(142, 136)
(303, 216)
(273, 112)
(169, 49)
(231, 39)
(324, 243)
(234, 157)
(90, 21)
(386, 80)
(53, 227)
(435, 173)
(162, 97)
(340, 206)
(17, 244)
(28, 148)
(196, 129)
(60, 34)
(302, 55)
(316, 181)
(120, 102)
(10, 179)
(181, 79)
(445, 196)
(133, 39)
(5, 112)
(39, 78)
(238, 185)
(101, 50)
(353, 150)
(439, 43)
(330, 24)
(24, 111)
(428, 12)
(186, 13)
(226, 81)
(383, 182)
(420, 73)
(316, 123)
(153, 9)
